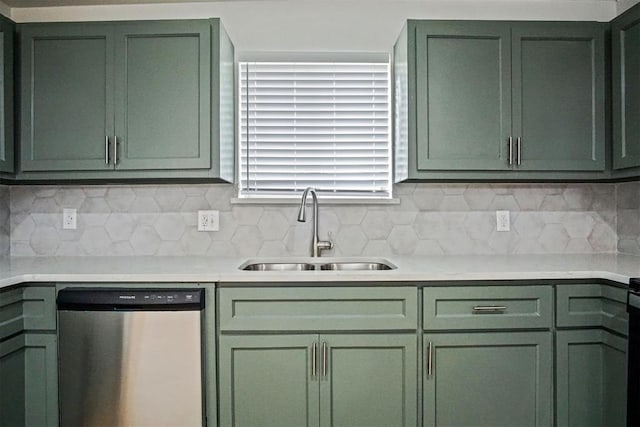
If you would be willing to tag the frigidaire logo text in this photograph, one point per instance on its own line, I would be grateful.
(127, 296)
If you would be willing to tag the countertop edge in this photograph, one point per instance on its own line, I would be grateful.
(612, 268)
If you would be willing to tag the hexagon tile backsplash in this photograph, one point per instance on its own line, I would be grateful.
(430, 219)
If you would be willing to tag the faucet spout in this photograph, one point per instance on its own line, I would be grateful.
(317, 245)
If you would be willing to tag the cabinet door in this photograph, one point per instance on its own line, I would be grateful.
(7, 29)
(463, 84)
(12, 371)
(488, 379)
(163, 95)
(368, 380)
(591, 378)
(625, 33)
(67, 96)
(29, 381)
(267, 381)
(558, 96)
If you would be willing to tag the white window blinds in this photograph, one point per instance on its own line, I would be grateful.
(322, 125)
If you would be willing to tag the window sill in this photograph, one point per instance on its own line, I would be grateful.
(323, 200)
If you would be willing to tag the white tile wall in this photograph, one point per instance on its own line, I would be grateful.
(430, 219)
(4, 220)
(628, 212)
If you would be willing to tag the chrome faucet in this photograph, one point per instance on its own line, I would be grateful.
(317, 245)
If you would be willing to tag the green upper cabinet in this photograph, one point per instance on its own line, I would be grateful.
(463, 88)
(558, 96)
(125, 100)
(67, 97)
(500, 100)
(162, 95)
(625, 33)
(7, 29)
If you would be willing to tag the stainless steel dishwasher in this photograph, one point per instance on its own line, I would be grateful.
(130, 357)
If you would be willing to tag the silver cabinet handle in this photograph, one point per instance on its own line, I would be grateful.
(430, 359)
(489, 308)
(510, 151)
(519, 144)
(324, 360)
(115, 150)
(314, 360)
(106, 150)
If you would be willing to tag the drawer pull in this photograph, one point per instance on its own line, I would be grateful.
(115, 150)
(430, 360)
(314, 358)
(489, 308)
(324, 360)
(519, 144)
(510, 151)
(106, 150)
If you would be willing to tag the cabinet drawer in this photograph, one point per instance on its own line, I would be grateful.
(27, 308)
(318, 309)
(488, 307)
(592, 305)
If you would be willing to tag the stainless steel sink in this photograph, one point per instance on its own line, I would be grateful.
(279, 266)
(356, 266)
(333, 265)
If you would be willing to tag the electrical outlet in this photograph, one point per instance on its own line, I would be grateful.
(503, 222)
(69, 219)
(208, 221)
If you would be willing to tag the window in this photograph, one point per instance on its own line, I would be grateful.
(312, 124)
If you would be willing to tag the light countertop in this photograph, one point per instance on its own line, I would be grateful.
(617, 268)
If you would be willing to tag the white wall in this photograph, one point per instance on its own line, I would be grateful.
(326, 25)
(4, 9)
(623, 5)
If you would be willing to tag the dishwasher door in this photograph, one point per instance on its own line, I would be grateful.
(130, 358)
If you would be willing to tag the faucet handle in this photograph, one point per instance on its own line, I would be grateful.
(324, 244)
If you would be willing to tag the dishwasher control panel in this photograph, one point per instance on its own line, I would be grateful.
(130, 299)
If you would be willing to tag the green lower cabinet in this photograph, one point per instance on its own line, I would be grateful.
(368, 380)
(266, 381)
(591, 378)
(318, 380)
(12, 395)
(29, 380)
(488, 379)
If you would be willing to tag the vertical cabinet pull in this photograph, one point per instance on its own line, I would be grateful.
(106, 150)
(430, 359)
(510, 151)
(324, 360)
(115, 150)
(519, 144)
(314, 360)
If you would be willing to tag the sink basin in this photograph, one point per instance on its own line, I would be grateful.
(279, 266)
(319, 265)
(356, 266)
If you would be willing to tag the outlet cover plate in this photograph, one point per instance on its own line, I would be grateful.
(503, 221)
(69, 219)
(208, 220)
